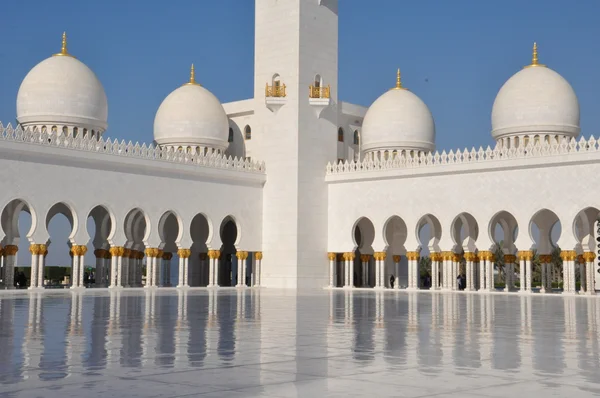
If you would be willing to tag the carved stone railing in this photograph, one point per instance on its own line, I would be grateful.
(403, 161)
(129, 150)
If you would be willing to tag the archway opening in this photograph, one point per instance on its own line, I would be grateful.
(545, 229)
(428, 233)
(99, 226)
(503, 231)
(16, 218)
(169, 231)
(228, 262)
(395, 234)
(134, 271)
(58, 267)
(363, 235)
(199, 262)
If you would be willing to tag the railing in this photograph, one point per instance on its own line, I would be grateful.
(130, 150)
(319, 92)
(275, 91)
(466, 156)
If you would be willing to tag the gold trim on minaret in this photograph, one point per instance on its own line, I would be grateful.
(534, 57)
(63, 51)
(192, 81)
(398, 81)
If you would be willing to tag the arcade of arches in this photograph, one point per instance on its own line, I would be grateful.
(539, 267)
(130, 263)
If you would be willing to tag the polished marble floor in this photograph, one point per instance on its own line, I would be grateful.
(271, 343)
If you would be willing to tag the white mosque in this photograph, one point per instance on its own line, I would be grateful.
(294, 188)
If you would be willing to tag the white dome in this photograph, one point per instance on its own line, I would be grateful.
(398, 120)
(535, 100)
(191, 115)
(62, 91)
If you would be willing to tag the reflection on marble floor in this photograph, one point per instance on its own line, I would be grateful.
(275, 343)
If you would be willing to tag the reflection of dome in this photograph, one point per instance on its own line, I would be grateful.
(191, 116)
(536, 100)
(62, 91)
(398, 120)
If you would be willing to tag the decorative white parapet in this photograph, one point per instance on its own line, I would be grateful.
(130, 150)
(394, 161)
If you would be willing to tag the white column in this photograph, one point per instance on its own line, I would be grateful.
(469, 271)
(240, 269)
(157, 268)
(568, 257)
(119, 277)
(528, 271)
(149, 267)
(489, 272)
(589, 259)
(41, 265)
(522, 268)
(365, 271)
(81, 253)
(396, 259)
(34, 250)
(75, 268)
(258, 258)
(377, 256)
(9, 265)
(544, 288)
(349, 270)
(114, 257)
(331, 257)
(482, 262)
(186, 271)
(180, 277)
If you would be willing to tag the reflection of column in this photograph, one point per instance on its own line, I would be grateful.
(79, 251)
(76, 337)
(182, 330)
(35, 251)
(116, 253)
(349, 256)
(258, 257)
(125, 267)
(331, 257)
(33, 344)
(149, 331)
(184, 254)
(114, 336)
(100, 255)
(9, 265)
(589, 258)
(509, 272)
(396, 259)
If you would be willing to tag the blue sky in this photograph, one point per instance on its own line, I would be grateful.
(454, 54)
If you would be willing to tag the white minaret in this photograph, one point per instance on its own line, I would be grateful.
(296, 43)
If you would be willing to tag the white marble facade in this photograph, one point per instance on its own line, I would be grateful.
(290, 189)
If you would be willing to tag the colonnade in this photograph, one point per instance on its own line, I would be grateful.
(478, 271)
(120, 267)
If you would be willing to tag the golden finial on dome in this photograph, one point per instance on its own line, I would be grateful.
(192, 81)
(398, 81)
(534, 57)
(63, 50)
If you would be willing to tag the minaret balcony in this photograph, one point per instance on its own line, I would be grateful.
(275, 96)
(319, 98)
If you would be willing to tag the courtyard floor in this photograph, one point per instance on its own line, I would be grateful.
(272, 343)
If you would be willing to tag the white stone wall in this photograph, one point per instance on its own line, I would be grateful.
(522, 186)
(44, 175)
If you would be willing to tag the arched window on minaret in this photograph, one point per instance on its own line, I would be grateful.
(248, 132)
(340, 135)
(230, 139)
(318, 81)
(356, 138)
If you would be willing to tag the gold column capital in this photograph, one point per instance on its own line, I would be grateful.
(469, 256)
(331, 256)
(412, 255)
(568, 255)
(11, 250)
(487, 255)
(447, 255)
(588, 256)
(100, 253)
(580, 259)
(259, 255)
(435, 256)
(167, 256)
(34, 249)
(380, 255)
(350, 256)
(117, 251)
(184, 253)
(525, 255)
(396, 258)
(510, 259)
